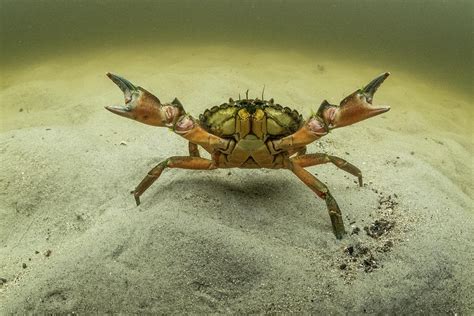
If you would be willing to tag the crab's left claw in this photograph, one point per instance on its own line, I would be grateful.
(355, 107)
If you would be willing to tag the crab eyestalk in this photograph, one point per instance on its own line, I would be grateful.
(144, 107)
(354, 108)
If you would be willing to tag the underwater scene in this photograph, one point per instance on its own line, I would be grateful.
(236, 157)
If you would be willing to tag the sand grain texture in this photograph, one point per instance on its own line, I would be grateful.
(229, 241)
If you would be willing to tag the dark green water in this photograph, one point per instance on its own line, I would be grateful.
(432, 38)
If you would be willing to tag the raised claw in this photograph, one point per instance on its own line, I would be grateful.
(355, 107)
(142, 106)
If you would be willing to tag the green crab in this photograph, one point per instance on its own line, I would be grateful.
(251, 133)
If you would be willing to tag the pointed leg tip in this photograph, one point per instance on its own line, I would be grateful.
(137, 197)
(339, 234)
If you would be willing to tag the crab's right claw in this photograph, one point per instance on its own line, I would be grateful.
(131, 94)
(141, 105)
(355, 107)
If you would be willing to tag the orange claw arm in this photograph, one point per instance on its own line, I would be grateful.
(142, 106)
(352, 109)
(312, 130)
(188, 128)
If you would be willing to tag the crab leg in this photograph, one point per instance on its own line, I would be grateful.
(323, 192)
(196, 163)
(193, 150)
(318, 158)
(301, 151)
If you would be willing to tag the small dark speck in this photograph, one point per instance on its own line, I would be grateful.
(20, 110)
(412, 153)
(37, 252)
(347, 153)
(48, 129)
(343, 266)
(350, 250)
(47, 253)
(24, 265)
(3, 281)
(229, 173)
(398, 157)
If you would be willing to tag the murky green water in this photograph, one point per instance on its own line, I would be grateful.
(432, 38)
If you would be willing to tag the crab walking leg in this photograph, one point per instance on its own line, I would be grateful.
(301, 152)
(323, 192)
(196, 163)
(319, 158)
(193, 150)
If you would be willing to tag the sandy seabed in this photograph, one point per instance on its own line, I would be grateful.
(229, 241)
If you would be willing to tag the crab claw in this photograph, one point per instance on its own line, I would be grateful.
(126, 86)
(355, 107)
(142, 106)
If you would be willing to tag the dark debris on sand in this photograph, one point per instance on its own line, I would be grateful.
(365, 252)
(379, 228)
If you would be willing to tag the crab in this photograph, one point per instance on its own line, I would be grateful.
(251, 133)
